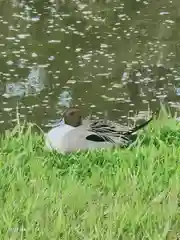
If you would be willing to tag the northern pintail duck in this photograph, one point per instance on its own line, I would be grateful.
(73, 133)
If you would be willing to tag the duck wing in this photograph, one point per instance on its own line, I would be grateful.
(111, 132)
(82, 139)
(117, 133)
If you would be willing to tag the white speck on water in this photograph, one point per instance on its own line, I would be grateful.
(163, 13)
(7, 109)
(9, 62)
(23, 36)
(54, 41)
(51, 58)
(34, 55)
(104, 45)
(78, 50)
(10, 38)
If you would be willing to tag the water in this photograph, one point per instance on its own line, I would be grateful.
(123, 57)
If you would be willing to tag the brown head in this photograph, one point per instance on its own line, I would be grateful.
(72, 116)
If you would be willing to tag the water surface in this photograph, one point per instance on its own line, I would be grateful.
(123, 57)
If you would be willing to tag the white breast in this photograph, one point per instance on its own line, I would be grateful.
(54, 138)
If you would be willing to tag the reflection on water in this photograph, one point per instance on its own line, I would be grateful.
(121, 57)
(34, 84)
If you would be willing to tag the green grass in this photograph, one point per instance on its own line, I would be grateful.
(120, 194)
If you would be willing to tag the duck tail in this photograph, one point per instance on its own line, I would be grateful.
(136, 128)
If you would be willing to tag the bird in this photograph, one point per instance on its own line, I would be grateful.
(74, 133)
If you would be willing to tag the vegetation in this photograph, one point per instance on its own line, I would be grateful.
(122, 194)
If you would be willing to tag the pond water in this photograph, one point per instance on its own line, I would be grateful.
(123, 57)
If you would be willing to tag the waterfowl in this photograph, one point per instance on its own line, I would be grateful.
(73, 133)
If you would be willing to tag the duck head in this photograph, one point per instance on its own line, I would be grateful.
(72, 116)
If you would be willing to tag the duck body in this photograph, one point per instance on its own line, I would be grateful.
(65, 138)
(74, 134)
(55, 137)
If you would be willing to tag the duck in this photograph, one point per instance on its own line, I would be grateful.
(73, 133)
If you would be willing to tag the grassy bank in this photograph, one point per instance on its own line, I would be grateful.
(120, 194)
